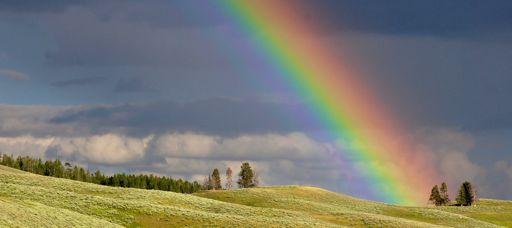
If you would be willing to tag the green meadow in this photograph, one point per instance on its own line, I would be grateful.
(30, 200)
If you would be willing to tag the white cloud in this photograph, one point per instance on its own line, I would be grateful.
(106, 149)
(293, 158)
(25, 145)
(293, 146)
(278, 158)
(102, 149)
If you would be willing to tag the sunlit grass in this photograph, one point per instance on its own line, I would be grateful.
(96, 204)
(344, 210)
(38, 201)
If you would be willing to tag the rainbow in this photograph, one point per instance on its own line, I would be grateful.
(341, 102)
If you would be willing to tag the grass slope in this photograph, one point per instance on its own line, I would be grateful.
(345, 210)
(38, 201)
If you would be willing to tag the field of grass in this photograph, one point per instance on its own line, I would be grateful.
(38, 201)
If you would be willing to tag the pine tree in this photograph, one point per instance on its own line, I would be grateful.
(216, 179)
(466, 196)
(56, 169)
(435, 197)
(443, 191)
(229, 178)
(246, 176)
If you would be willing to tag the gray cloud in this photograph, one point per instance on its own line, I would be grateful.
(434, 82)
(505, 167)
(33, 120)
(115, 138)
(13, 74)
(457, 18)
(34, 6)
(497, 121)
(79, 81)
(90, 40)
(218, 116)
(131, 85)
(450, 151)
(433, 18)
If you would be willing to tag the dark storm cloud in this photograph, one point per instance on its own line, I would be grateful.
(79, 82)
(185, 34)
(217, 116)
(435, 17)
(498, 121)
(35, 6)
(455, 18)
(159, 13)
(179, 42)
(435, 82)
(88, 41)
(131, 85)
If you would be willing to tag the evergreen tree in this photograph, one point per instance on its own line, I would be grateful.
(466, 195)
(435, 197)
(216, 179)
(246, 176)
(56, 169)
(443, 191)
(229, 178)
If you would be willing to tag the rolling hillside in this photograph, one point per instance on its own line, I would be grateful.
(32, 200)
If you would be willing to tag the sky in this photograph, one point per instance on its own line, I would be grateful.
(170, 87)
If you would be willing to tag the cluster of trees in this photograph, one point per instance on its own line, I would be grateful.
(465, 197)
(57, 169)
(439, 196)
(247, 178)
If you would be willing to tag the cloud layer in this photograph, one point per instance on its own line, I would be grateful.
(123, 138)
(13, 74)
(279, 159)
(290, 158)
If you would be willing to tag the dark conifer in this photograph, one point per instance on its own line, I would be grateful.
(443, 192)
(435, 197)
(56, 169)
(246, 176)
(466, 196)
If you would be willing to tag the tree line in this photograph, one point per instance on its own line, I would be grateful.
(247, 178)
(56, 168)
(465, 197)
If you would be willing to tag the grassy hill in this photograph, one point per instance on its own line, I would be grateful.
(32, 200)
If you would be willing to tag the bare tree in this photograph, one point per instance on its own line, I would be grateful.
(229, 178)
(207, 183)
(256, 179)
(216, 180)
